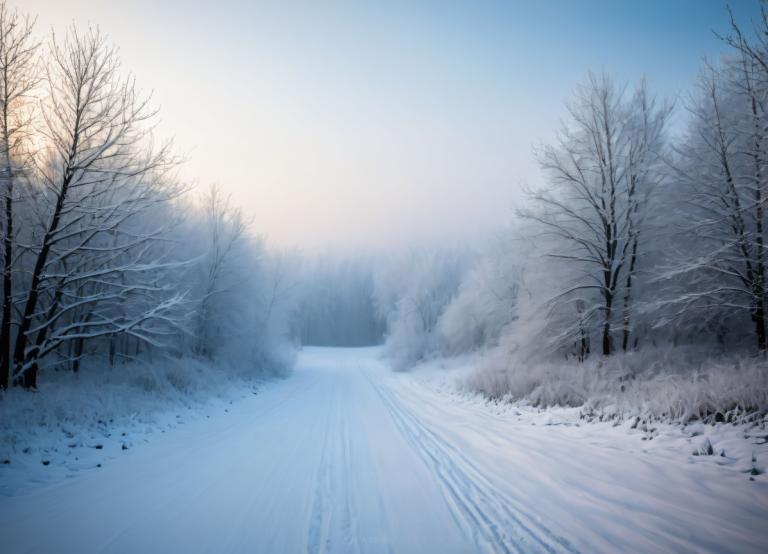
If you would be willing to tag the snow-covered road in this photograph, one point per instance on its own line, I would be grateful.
(345, 456)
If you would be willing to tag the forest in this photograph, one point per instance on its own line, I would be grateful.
(634, 279)
(642, 255)
(107, 257)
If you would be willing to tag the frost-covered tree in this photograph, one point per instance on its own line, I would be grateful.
(105, 255)
(226, 229)
(19, 75)
(722, 172)
(487, 297)
(411, 292)
(98, 172)
(602, 170)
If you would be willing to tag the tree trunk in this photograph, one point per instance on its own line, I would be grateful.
(628, 296)
(584, 347)
(78, 354)
(112, 348)
(5, 325)
(759, 319)
(760, 261)
(20, 354)
(607, 325)
(28, 376)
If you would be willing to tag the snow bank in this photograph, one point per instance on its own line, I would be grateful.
(739, 446)
(77, 420)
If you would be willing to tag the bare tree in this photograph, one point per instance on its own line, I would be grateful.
(750, 81)
(227, 228)
(645, 174)
(18, 79)
(601, 175)
(722, 165)
(99, 174)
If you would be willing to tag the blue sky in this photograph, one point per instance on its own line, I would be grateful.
(340, 125)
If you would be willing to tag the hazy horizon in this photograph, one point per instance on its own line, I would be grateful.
(344, 126)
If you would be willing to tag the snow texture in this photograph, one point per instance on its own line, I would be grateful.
(347, 456)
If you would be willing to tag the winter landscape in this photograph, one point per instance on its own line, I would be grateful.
(383, 277)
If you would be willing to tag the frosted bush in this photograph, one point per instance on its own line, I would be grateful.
(677, 384)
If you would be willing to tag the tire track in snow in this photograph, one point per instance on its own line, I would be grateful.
(349, 522)
(481, 510)
(333, 526)
(321, 516)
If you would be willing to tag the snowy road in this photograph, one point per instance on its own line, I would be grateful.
(344, 456)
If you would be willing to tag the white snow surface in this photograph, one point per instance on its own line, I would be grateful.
(347, 456)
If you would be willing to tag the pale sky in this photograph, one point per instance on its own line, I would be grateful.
(339, 125)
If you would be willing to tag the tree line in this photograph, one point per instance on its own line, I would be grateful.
(639, 236)
(105, 252)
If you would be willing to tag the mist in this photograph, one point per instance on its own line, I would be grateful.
(350, 127)
(348, 277)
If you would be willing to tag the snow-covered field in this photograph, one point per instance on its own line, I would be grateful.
(346, 456)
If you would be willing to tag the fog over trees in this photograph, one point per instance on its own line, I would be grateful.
(336, 303)
(641, 255)
(107, 255)
(640, 239)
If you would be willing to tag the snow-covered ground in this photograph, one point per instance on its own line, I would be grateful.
(80, 421)
(347, 456)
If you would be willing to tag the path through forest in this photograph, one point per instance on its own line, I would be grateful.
(346, 456)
